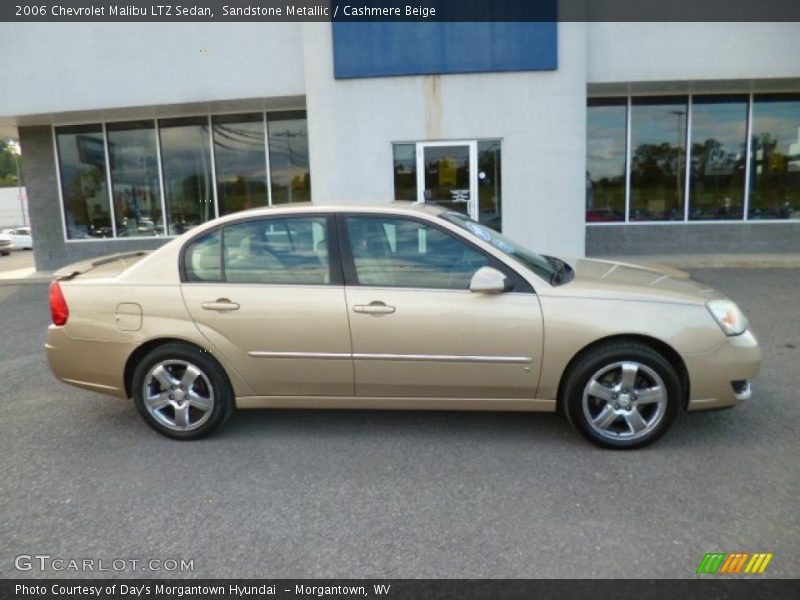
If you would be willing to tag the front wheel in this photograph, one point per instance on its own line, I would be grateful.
(182, 392)
(622, 396)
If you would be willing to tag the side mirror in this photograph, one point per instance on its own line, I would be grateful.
(488, 280)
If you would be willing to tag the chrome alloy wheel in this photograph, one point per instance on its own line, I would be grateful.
(178, 395)
(624, 401)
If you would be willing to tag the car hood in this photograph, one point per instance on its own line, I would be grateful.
(622, 280)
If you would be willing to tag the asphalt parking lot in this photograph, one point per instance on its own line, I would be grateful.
(400, 494)
(19, 259)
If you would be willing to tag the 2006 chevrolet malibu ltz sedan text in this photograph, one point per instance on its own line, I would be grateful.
(395, 307)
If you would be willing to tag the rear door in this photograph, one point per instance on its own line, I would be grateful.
(267, 293)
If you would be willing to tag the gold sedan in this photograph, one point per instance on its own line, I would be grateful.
(393, 307)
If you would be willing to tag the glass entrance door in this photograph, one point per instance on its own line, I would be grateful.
(447, 175)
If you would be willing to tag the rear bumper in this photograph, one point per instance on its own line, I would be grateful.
(721, 378)
(89, 364)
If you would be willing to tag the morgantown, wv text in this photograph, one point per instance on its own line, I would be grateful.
(210, 591)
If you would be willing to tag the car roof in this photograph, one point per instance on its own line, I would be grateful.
(395, 206)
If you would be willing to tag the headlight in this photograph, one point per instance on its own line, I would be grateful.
(728, 316)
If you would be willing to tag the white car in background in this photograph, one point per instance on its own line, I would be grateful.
(15, 239)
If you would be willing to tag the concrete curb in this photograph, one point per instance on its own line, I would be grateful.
(26, 280)
(25, 276)
(714, 261)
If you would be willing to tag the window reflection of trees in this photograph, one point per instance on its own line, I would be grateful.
(240, 161)
(186, 162)
(775, 157)
(658, 160)
(605, 159)
(717, 164)
(290, 176)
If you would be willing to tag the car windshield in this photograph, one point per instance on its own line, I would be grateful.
(546, 268)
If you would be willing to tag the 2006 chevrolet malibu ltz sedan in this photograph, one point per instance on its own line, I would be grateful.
(395, 307)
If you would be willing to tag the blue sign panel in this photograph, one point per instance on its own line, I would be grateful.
(384, 49)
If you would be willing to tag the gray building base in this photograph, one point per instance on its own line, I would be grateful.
(695, 238)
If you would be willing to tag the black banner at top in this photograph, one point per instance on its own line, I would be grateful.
(398, 10)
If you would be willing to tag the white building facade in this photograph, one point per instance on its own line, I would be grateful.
(583, 138)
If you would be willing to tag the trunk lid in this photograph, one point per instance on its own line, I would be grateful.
(104, 266)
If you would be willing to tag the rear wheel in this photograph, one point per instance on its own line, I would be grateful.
(182, 392)
(622, 395)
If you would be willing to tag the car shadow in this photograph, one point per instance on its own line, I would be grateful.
(409, 425)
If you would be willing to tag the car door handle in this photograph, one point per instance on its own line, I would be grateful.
(374, 308)
(220, 304)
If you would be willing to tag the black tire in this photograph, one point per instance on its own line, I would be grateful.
(211, 383)
(611, 365)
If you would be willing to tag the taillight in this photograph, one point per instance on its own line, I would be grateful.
(58, 306)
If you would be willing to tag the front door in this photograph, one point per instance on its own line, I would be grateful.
(447, 175)
(417, 330)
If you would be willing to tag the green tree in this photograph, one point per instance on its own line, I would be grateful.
(8, 165)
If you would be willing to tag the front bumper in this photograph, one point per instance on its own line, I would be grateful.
(721, 378)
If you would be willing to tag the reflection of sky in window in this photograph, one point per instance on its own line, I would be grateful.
(239, 148)
(405, 155)
(658, 124)
(132, 153)
(780, 119)
(68, 145)
(288, 150)
(725, 122)
(606, 141)
(184, 141)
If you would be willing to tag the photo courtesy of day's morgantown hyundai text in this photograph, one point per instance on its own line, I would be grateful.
(394, 307)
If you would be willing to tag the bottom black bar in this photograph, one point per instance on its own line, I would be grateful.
(397, 589)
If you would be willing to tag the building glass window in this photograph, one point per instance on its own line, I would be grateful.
(489, 184)
(775, 158)
(240, 161)
(405, 171)
(606, 128)
(127, 154)
(186, 167)
(717, 170)
(658, 158)
(84, 182)
(136, 192)
(290, 177)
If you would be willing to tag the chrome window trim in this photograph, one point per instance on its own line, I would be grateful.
(628, 120)
(513, 360)
(110, 184)
(748, 153)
